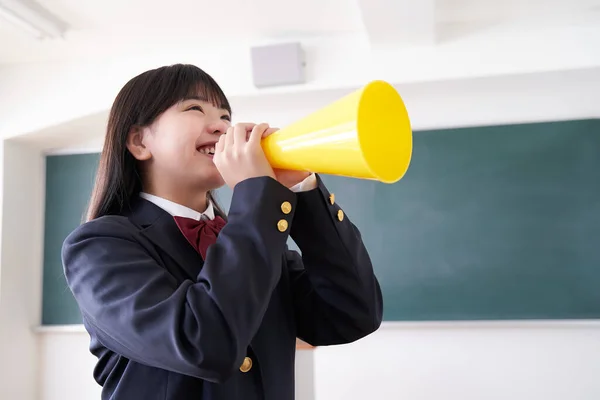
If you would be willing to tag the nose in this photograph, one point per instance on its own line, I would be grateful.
(218, 127)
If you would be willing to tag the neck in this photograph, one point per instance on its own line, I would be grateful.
(194, 199)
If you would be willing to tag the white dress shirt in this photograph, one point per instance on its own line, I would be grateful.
(177, 210)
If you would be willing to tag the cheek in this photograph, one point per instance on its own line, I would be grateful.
(174, 140)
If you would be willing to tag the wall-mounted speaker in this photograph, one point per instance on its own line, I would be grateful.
(278, 64)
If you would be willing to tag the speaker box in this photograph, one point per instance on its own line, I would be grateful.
(277, 65)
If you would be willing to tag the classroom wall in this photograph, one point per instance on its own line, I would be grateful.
(545, 360)
(68, 376)
(20, 273)
(467, 361)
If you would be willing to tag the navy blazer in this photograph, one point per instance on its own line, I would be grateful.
(166, 324)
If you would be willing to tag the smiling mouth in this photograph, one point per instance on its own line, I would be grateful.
(207, 150)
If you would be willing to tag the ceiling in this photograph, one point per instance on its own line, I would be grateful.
(110, 28)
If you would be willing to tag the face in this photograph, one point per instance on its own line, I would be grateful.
(179, 146)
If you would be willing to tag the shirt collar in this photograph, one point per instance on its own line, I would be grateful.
(177, 210)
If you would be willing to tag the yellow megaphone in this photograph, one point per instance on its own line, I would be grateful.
(366, 134)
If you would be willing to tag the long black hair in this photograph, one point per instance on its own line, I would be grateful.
(138, 104)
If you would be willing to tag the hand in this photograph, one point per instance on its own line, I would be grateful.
(287, 177)
(239, 155)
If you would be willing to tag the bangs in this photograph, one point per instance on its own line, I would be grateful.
(195, 83)
(161, 88)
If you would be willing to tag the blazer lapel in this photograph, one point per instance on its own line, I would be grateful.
(160, 227)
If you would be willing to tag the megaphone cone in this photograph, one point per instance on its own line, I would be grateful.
(366, 134)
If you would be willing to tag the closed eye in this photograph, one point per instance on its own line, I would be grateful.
(226, 118)
(196, 108)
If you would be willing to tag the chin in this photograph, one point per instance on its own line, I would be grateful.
(212, 181)
(207, 175)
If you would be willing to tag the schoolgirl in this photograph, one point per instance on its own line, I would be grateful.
(184, 302)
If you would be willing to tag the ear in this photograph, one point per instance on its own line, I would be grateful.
(135, 144)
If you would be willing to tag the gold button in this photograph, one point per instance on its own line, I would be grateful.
(282, 225)
(332, 198)
(246, 365)
(286, 207)
(340, 215)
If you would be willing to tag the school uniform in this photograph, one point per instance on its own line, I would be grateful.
(167, 323)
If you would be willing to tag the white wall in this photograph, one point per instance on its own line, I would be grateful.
(545, 360)
(20, 290)
(67, 90)
(428, 361)
(69, 376)
(466, 361)
(66, 366)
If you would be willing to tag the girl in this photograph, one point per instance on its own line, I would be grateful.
(181, 304)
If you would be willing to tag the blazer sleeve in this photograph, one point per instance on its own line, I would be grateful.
(201, 328)
(337, 297)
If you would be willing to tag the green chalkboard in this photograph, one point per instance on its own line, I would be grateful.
(69, 182)
(489, 223)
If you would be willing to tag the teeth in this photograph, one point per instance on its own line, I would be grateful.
(207, 150)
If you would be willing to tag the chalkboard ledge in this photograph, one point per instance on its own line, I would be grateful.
(52, 329)
(403, 325)
(493, 324)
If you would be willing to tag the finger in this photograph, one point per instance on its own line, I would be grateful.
(257, 133)
(220, 146)
(228, 141)
(240, 132)
(269, 131)
(239, 135)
